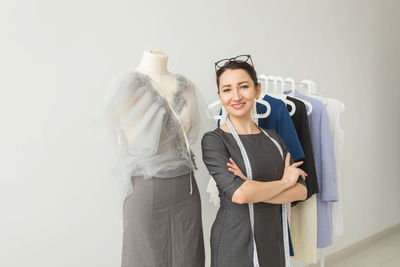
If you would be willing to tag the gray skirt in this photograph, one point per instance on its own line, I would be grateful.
(162, 224)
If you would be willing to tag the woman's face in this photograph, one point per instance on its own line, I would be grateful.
(237, 92)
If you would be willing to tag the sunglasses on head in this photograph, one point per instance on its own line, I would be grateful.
(238, 59)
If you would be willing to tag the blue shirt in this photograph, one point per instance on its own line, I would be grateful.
(280, 120)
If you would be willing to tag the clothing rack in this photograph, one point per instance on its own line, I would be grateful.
(272, 79)
(304, 84)
(308, 84)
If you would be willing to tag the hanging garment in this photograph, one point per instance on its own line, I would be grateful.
(231, 233)
(280, 121)
(325, 166)
(162, 211)
(300, 122)
(303, 216)
(334, 108)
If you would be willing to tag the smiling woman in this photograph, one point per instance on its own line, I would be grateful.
(252, 178)
(238, 92)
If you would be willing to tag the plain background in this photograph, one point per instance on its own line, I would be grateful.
(58, 194)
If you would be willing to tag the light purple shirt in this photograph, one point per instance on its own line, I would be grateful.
(325, 166)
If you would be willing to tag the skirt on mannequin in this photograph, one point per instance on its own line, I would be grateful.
(162, 224)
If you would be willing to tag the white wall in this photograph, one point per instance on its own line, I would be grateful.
(58, 199)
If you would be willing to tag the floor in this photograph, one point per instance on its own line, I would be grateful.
(383, 250)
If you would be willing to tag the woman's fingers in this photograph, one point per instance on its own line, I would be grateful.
(297, 164)
(287, 160)
(303, 174)
(233, 168)
(238, 173)
(231, 162)
(234, 171)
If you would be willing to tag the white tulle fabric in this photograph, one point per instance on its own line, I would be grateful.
(151, 141)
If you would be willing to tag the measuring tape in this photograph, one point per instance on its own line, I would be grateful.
(251, 207)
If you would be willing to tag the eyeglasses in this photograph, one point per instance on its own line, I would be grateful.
(239, 59)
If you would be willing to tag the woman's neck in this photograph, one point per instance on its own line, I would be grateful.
(153, 63)
(244, 125)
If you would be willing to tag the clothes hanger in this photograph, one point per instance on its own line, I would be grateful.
(311, 87)
(287, 101)
(281, 95)
(291, 94)
(261, 101)
(307, 87)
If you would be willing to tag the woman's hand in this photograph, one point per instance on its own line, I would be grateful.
(291, 172)
(232, 167)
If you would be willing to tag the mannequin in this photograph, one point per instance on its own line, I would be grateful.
(156, 115)
(154, 64)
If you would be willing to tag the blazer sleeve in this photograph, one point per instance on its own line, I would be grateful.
(285, 150)
(287, 132)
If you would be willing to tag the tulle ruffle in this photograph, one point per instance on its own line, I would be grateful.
(151, 142)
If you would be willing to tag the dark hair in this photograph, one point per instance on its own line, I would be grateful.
(233, 65)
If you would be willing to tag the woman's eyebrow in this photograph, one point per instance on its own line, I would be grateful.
(243, 82)
(239, 83)
(225, 85)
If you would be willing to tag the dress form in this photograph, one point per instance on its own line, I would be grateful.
(154, 65)
(153, 152)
